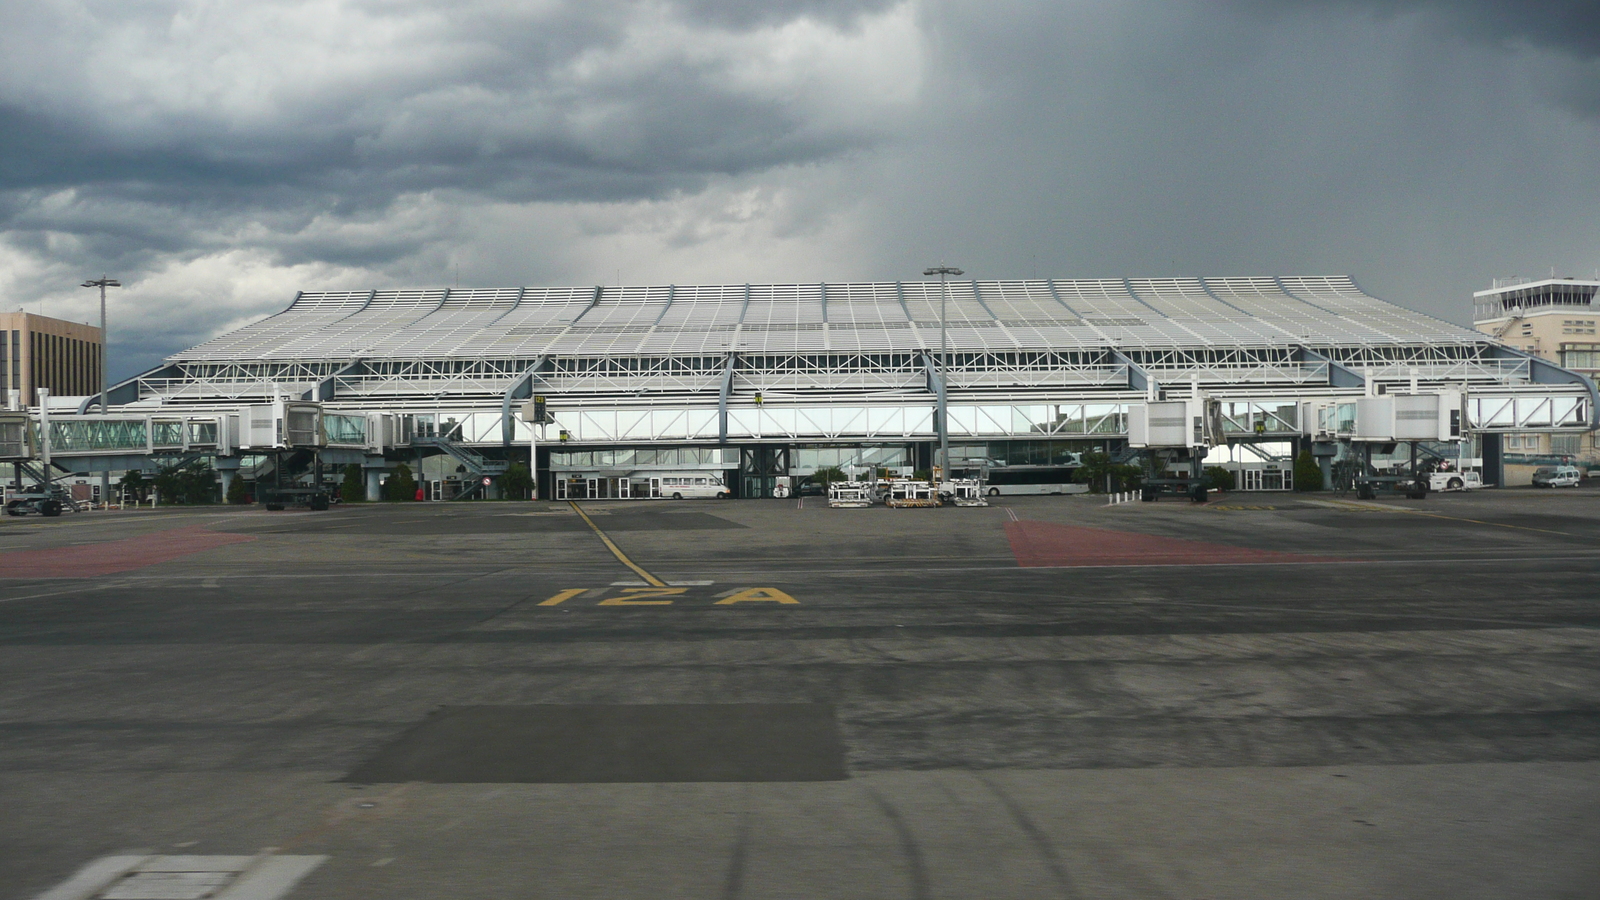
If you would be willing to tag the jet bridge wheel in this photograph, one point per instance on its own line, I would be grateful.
(14, 508)
(50, 508)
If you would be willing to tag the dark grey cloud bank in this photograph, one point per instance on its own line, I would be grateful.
(217, 160)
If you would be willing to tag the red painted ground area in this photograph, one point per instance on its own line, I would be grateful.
(1046, 544)
(89, 560)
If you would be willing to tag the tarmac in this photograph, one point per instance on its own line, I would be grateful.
(1269, 695)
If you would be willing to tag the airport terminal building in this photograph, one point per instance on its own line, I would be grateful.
(763, 382)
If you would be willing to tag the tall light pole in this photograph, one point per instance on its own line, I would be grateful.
(102, 283)
(944, 362)
(105, 355)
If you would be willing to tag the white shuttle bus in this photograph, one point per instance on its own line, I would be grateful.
(642, 485)
(686, 485)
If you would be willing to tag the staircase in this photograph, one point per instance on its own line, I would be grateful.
(475, 463)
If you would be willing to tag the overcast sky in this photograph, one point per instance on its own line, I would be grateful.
(218, 157)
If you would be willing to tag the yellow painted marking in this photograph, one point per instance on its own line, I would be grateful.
(617, 551)
(643, 592)
(565, 595)
(751, 595)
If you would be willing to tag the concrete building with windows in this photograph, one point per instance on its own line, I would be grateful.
(36, 352)
(762, 382)
(1553, 319)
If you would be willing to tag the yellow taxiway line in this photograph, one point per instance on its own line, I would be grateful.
(617, 551)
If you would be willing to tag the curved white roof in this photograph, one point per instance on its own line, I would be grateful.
(880, 317)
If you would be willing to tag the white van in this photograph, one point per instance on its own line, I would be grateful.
(688, 486)
(1556, 476)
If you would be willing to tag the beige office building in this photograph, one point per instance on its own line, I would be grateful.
(1554, 319)
(36, 352)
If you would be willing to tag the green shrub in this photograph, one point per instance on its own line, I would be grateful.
(351, 489)
(1095, 467)
(187, 484)
(400, 486)
(517, 482)
(238, 491)
(134, 485)
(1307, 474)
(827, 476)
(1219, 479)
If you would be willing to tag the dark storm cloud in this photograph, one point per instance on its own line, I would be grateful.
(142, 135)
(221, 157)
(1569, 25)
(572, 105)
(750, 13)
(1568, 29)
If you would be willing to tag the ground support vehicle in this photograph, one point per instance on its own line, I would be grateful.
(963, 492)
(904, 494)
(1415, 487)
(1556, 476)
(44, 497)
(277, 498)
(1455, 481)
(48, 503)
(850, 494)
(1193, 488)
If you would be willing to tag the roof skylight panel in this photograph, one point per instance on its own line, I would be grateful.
(526, 330)
(1028, 301)
(388, 313)
(309, 311)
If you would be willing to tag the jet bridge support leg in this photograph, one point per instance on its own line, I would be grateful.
(373, 467)
(228, 475)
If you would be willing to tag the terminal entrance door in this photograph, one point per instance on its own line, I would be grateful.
(760, 468)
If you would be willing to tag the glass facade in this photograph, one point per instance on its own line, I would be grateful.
(1024, 453)
(646, 457)
(342, 429)
(70, 435)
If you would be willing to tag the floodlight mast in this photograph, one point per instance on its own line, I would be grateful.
(943, 272)
(102, 283)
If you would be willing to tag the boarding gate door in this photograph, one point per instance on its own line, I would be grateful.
(655, 489)
(1252, 479)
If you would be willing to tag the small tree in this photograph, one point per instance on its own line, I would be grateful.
(828, 476)
(187, 484)
(350, 489)
(238, 491)
(400, 486)
(517, 482)
(1307, 474)
(1127, 477)
(1219, 479)
(135, 484)
(1093, 467)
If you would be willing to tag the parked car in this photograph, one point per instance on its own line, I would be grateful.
(1556, 476)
